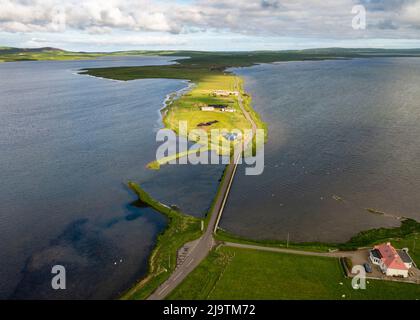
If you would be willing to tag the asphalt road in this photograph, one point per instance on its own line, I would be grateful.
(200, 248)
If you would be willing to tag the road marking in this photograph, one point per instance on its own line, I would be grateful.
(164, 289)
(191, 261)
(194, 246)
(178, 275)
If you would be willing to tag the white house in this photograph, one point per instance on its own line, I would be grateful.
(388, 259)
(218, 107)
(225, 93)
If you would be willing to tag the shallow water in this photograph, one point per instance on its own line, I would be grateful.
(343, 137)
(69, 143)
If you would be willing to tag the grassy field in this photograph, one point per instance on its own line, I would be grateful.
(181, 229)
(231, 273)
(188, 109)
(225, 236)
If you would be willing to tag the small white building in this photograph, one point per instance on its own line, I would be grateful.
(225, 93)
(388, 259)
(221, 108)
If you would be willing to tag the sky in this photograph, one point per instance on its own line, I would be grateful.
(214, 25)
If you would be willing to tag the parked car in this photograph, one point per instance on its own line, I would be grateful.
(368, 267)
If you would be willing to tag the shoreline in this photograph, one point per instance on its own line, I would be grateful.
(170, 98)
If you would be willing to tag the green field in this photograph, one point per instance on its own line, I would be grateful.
(188, 109)
(231, 273)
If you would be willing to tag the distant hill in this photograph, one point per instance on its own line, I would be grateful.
(10, 54)
(10, 50)
(361, 51)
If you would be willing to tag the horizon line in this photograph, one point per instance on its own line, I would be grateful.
(210, 51)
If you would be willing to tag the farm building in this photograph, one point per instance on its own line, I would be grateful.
(219, 107)
(207, 108)
(405, 257)
(225, 93)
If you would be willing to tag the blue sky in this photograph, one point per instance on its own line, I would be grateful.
(108, 25)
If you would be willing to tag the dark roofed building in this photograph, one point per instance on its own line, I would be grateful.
(405, 257)
(376, 254)
(218, 106)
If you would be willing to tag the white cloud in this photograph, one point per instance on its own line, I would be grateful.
(411, 14)
(43, 15)
(326, 19)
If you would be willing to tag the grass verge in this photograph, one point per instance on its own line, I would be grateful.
(225, 236)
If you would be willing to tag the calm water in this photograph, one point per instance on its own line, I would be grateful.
(68, 145)
(338, 129)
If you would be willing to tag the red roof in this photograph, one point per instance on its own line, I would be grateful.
(390, 257)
